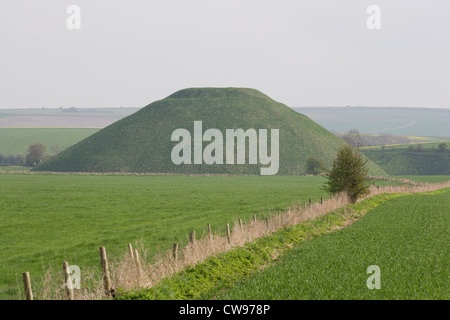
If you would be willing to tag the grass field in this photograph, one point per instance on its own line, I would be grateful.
(15, 169)
(45, 219)
(401, 161)
(17, 140)
(425, 145)
(407, 237)
(424, 179)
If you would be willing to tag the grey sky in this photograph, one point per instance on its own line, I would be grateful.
(301, 53)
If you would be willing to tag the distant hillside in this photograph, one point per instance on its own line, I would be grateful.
(418, 159)
(62, 117)
(423, 122)
(142, 142)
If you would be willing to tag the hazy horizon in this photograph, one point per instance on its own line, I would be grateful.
(292, 107)
(301, 53)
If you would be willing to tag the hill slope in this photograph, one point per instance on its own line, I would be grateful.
(142, 142)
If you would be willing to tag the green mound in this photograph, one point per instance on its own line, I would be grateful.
(142, 142)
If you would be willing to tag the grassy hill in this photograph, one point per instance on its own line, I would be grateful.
(408, 160)
(142, 142)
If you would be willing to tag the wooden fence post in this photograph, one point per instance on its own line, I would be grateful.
(241, 225)
(321, 201)
(254, 218)
(106, 278)
(310, 203)
(27, 284)
(175, 251)
(228, 233)
(192, 237)
(209, 232)
(68, 281)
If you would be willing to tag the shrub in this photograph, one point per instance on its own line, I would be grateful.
(348, 174)
(314, 165)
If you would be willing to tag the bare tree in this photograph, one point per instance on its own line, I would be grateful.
(354, 138)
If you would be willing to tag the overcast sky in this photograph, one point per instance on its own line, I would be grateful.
(301, 53)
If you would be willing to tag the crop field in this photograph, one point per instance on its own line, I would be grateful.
(401, 161)
(425, 179)
(17, 140)
(425, 145)
(62, 117)
(46, 219)
(406, 237)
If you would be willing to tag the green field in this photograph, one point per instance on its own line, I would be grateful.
(407, 237)
(402, 161)
(424, 179)
(17, 140)
(45, 219)
(15, 169)
(425, 145)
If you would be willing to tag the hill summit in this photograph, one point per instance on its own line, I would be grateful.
(205, 131)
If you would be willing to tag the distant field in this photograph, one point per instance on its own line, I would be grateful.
(62, 118)
(407, 237)
(45, 219)
(17, 140)
(424, 144)
(402, 161)
(430, 179)
(401, 121)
